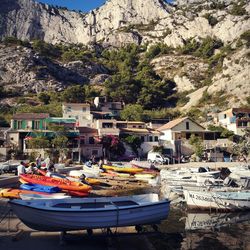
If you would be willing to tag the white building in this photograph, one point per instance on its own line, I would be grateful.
(78, 111)
(176, 134)
(235, 119)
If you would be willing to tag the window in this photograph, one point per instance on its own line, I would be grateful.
(140, 126)
(19, 124)
(156, 138)
(242, 124)
(121, 125)
(76, 117)
(107, 125)
(142, 138)
(91, 140)
(84, 109)
(68, 109)
(36, 124)
(134, 126)
(187, 125)
(225, 116)
(94, 152)
(150, 138)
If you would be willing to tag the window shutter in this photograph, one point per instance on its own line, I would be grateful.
(15, 124)
(23, 124)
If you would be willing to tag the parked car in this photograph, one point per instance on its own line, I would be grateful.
(8, 168)
(156, 157)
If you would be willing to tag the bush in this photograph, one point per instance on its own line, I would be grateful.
(211, 19)
(157, 49)
(46, 49)
(14, 41)
(189, 47)
(207, 48)
(246, 36)
(238, 9)
(44, 97)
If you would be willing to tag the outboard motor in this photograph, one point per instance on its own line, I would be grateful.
(229, 182)
(224, 173)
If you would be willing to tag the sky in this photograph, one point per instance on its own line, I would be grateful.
(83, 5)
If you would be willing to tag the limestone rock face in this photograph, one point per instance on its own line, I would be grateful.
(187, 71)
(234, 78)
(119, 22)
(116, 24)
(22, 70)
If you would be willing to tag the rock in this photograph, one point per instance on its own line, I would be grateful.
(143, 20)
(22, 70)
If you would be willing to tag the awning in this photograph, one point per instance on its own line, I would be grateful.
(51, 134)
(60, 120)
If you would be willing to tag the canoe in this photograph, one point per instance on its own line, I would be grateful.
(44, 196)
(91, 213)
(129, 170)
(40, 188)
(55, 182)
(15, 193)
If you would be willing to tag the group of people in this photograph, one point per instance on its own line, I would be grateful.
(100, 163)
(32, 168)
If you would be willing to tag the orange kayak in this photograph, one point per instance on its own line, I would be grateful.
(15, 193)
(64, 184)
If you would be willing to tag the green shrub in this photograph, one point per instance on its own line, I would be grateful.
(46, 49)
(190, 46)
(207, 47)
(238, 9)
(246, 36)
(157, 49)
(211, 19)
(14, 41)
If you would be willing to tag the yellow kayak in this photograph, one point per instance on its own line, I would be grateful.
(93, 181)
(123, 169)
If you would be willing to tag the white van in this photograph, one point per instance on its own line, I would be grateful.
(156, 157)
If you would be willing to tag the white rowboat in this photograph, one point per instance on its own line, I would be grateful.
(91, 213)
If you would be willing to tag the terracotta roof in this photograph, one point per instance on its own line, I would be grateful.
(175, 122)
(172, 123)
(30, 116)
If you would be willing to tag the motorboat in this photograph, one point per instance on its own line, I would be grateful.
(218, 200)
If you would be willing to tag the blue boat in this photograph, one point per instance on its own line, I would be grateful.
(40, 188)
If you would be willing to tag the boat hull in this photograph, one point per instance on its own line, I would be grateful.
(61, 219)
(217, 200)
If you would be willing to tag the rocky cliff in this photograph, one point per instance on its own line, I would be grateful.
(121, 22)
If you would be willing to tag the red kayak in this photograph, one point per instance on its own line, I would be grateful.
(63, 184)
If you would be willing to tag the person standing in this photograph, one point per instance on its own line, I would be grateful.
(47, 163)
(39, 161)
(21, 169)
